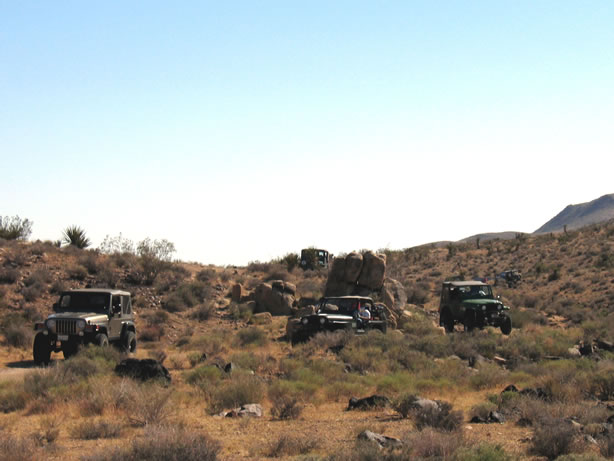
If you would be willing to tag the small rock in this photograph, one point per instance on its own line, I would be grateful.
(368, 403)
(382, 440)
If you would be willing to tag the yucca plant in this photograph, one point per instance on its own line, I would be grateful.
(75, 236)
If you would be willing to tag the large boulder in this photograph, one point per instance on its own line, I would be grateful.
(373, 271)
(145, 370)
(276, 298)
(383, 441)
(394, 295)
(353, 266)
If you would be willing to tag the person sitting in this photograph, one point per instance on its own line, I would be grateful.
(364, 315)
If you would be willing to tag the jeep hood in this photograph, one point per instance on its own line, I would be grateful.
(91, 316)
(481, 301)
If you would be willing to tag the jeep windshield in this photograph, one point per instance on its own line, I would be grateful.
(475, 291)
(85, 302)
(342, 306)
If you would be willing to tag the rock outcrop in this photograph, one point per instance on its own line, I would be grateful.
(356, 274)
(276, 297)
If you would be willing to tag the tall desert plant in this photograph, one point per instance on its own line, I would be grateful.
(75, 236)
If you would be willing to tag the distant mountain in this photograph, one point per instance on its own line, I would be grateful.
(583, 214)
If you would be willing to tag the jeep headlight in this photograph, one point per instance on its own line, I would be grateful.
(483, 308)
(80, 325)
(322, 320)
(305, 320)
(50, 324)
(498, 307)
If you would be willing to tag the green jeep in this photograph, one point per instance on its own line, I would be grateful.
(87, 316)
(472, 304)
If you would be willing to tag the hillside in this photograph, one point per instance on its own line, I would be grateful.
(186, 318)
(581, 215)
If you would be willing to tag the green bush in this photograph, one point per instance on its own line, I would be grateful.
(290, 445)
(483, 452)
(553, 438)
(239, 389)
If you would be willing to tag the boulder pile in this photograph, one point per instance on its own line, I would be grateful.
(356, 274)
(276, 297)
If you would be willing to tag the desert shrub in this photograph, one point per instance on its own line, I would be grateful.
(418, 293)
(482, 452)
(286, 400)
(58, 286)
(151, 333)
(606, 446)
(240, 311)
(488, 375)
(12, 399)
(290, 445)
(440, 417)
(15, 228)
(204, 376)
(257, 266)
(155, 257)
(18, 336)
(9, 275)
(553, 438)
(522, 318)
(207, 274)
(164, 443)
(432, 444)
(203, 311)
(49, 430)
(76, 237)
(252, 336)
(96, 429)
(482, 410)
(147, 404)
(90, 261)
(33, 292)
(77, 272)
(16, 448)
(239, 389)
(116, 245)
(212, 344)
(602, 384)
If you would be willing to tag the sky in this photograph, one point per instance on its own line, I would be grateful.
(242, 130)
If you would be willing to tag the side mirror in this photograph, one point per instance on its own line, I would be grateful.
(56, 307)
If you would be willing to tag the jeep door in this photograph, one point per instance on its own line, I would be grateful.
(115, 318)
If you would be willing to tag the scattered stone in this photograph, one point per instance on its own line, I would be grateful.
(510, 388)
(574, 352)
(368, 403)
(261, 318)
(499, 360)
(476, 360)
(493, 417)
(144, 370)
(605, 345)
(253, 410)
(382, 440)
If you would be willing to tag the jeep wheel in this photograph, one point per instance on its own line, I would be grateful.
(469, 322)
(447, 321)
(101, 340)
(70, 349)
(41, 350)
(506, 326)
(384, 325)
(129, 342)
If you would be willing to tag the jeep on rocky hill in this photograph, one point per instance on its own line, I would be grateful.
(86, 316)
(337, 313)
(473, 304)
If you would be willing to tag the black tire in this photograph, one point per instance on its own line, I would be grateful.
(469, 323)
(41, 350)
(384, 326)
(506, 326)
(129, 342)
(101, 340)
(447, 321)
(70, 349)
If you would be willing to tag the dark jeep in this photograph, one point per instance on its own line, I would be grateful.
(338, 313)
(88, 316)
(472, 304)
(313, 258)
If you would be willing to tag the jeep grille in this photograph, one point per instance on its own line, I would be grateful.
(66, 327)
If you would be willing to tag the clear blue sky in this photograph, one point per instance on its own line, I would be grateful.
(245, 130)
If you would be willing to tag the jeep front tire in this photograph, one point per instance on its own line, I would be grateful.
(506, 325)
(446, 320)
(101, 340)
(41, 350)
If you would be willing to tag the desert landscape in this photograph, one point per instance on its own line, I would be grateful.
(239, 389)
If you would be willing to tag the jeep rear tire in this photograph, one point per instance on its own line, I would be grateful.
(129, 342)
(506, 326)
(41, 350)
(101, 340)
(447, 321)
(469, 322)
